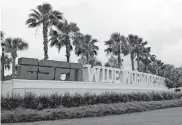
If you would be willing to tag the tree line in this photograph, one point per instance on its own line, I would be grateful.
(58, 32)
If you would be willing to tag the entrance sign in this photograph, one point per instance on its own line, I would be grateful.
(115, 75)
(33, 69)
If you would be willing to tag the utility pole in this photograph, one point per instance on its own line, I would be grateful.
(2, 62)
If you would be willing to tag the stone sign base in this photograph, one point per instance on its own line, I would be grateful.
(45, 87)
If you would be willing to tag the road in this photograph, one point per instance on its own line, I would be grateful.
(170, 116)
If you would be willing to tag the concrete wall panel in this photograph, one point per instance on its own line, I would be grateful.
(59, 71)
(51, 63)
(46, 73)
(28, 61)
(27, 72)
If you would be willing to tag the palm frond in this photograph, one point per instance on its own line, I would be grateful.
(20, 44)
(1, 35)
(34, 16)
(78, 39)
(58, 14)
(44, 8)
(73, 27)
(53, 42)
(144, 43)
(8, 42)
(7, 62)
(95, 47)
(61, 26)
(36, 12)
(108, 50)
(109, 42)
(115, 37)
(30, 20)
(78, 51)
(95, 52)
(94, 41)
(139, 40)
(87, 38)
(59, 45)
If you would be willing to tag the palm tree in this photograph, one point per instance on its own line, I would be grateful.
(136, 48)
(116, 46)
(160, 67)
(7, 62)
(85, 46)
(2, 58)
(147, 58)
(63, 36)
(15, 44)
(46, 16)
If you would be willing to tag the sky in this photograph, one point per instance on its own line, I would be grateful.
(157, 21)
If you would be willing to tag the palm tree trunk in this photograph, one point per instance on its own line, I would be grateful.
(132, 61)
(119, 60)
(45, 37)
(13, 64)
(146, 66)
(13, 68)
(87, 59)
(68, 52)
(138, 62)
(2, 63)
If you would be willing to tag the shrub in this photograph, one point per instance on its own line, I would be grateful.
(31, 101)
(27, 115)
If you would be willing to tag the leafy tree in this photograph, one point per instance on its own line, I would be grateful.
(82, 60)
(15, 44)
(173, 75)
(147, 59)
(176, 77)
(112, 62)
(93, 61)
(44, 15)
(117, 45)
(85, 46)
(169, 83)
(167, 70)
(64, 35)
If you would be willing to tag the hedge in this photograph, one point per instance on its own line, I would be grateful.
(31, 101)
(29, 115)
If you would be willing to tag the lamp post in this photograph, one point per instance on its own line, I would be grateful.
(2, 62)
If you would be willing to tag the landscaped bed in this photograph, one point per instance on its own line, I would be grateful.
(29, 115)
(31, 101)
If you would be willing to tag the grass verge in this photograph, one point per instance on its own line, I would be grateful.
(28, 115)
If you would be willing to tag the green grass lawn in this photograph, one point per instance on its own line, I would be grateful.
(170, 116)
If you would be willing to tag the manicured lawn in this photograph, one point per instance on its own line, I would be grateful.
(170, 116)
